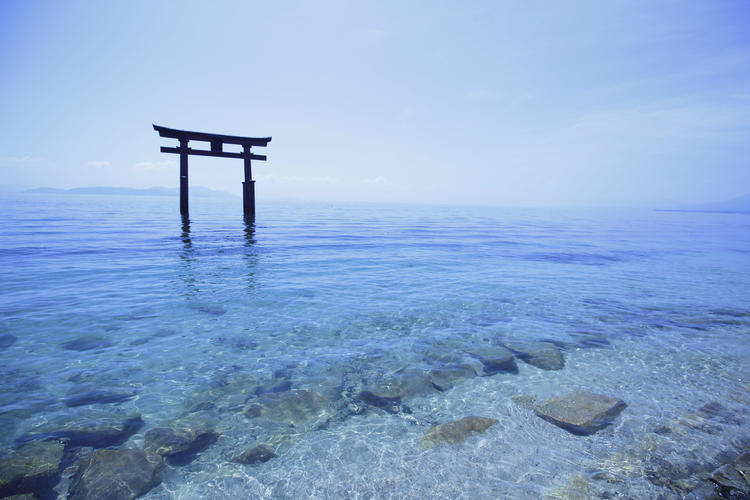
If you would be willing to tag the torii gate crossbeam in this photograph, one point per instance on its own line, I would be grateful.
(217, 142)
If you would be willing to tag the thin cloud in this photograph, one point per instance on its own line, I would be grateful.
(375, 180)
(98, 164)
(300, 179)
(19, 159)
(154, 165)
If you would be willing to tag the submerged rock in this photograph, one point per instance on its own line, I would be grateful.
(715, 410)
(81, 396)
(731, 481)
(183, 439)
(95, 432)
(396, 387)
(276, 386)
(661, 469)
(389, 404)
(580, 412)
(255, 454)
(455, 432)
(86, 343)
(7, 340)
(227, 392)
(494, 358)
(540, 354)
(213, 309)
(294, 408)
(116, 475)
(589, 339)
(525, 401)
(32, 468)
(447, 377)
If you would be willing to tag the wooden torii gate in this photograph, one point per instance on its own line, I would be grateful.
(217, 142)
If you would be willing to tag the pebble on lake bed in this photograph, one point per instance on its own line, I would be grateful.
(456, 431)
(580, 412)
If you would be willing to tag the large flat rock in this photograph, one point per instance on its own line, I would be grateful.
(580, 412)
(456, 431)
(294, 408)
(33, 467)
(97, 431)
(116, 475)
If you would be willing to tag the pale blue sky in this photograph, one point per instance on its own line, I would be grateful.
(506, 103)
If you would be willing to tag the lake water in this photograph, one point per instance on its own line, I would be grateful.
(111, 308)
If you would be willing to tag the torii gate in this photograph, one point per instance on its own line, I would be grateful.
(217, 149)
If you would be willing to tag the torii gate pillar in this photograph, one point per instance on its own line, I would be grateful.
(184, 177)
(248, 186)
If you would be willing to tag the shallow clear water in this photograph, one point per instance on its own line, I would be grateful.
(117, 293)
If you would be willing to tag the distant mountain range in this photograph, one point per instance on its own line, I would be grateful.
(198, 191)
(740, 204)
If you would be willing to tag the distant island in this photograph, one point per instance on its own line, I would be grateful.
(740, 205)
(198, 191)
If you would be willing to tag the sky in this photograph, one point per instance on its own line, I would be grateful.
(511, 103)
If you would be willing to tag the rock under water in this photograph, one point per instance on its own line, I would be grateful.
(255, 454)
(540, 354)
(295, 408)
(7, 340)
(580, 412)
(494, 358)
(86, 343)
(88, 396)
(179, 444)
(98, 432)
(32, 468)
(455, 432)
(116, 475)
(447, 377)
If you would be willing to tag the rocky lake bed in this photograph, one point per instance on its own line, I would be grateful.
(458, 401)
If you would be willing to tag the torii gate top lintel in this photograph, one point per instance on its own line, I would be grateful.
(217, 142)
(204, 136)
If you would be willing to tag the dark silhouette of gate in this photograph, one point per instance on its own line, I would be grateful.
(217, 142)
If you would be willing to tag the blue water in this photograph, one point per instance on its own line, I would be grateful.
(116, 293)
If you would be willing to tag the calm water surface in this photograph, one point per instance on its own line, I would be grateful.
(112, 307)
